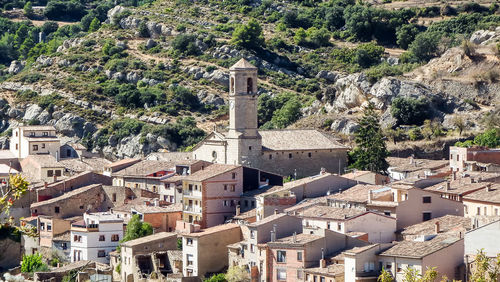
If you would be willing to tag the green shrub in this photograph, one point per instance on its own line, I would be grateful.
(32, 263)
(415, 134)
(185, 44)
(368, 54)
(410, 110)
(248, 35)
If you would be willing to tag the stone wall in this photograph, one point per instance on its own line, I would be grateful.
(74, 182)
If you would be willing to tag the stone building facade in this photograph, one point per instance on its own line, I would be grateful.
(278, 151)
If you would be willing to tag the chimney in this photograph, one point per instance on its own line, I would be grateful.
(370, 195)
(57, 156)
(447, 187)
(238, 210)
(322, 171)
(273, 236)
(436, 227)
(55, 178)
(488, 187)
(294, 237)
(322, 263)
(45, 184)
(275, 211)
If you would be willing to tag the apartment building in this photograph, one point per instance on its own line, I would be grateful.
(403, 168)
(483, 203)
(94, 237)
(473, 159)
(289, 256)
(206, 251)
(35, 140)
(252, 251)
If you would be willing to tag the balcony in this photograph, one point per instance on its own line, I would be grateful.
(192, 193)
(194, 209)
(81, 226)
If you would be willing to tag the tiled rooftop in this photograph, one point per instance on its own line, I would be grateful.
(149, 239)
(415, 249)
(66, 195)
(145, 167)
(407, 165)
(460, 186)
(490, 195)
(359, 193)
(210, 171)
(447, 224)
(212, 230)
(300, 139)
(299, 239)
(327, 212)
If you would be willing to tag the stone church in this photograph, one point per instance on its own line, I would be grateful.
(301, 152)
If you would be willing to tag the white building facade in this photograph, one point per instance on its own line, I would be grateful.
(35, 140)
(95, 237)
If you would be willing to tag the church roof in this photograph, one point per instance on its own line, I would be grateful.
(297, 139)
(242, 64)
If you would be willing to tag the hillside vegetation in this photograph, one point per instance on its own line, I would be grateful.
(146, 75)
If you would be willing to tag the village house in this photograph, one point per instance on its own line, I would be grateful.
(30, 244)
(94, 237)
(474, 159)
(210, 195)
(244, 144)
(206, 251)
(483, 203)
(41, 168)
(402, 168)
(443, 252)
(280, 198)
(289, 256)
(361, 263)
(35, 140)
(377, 227)
(161, 218)
(326, 271)
(457, 188)
(140, 257)
(251, 252)
(74, 166)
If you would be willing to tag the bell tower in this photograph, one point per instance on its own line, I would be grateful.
(243, 138)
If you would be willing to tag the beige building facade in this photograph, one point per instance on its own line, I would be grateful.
(35, 140)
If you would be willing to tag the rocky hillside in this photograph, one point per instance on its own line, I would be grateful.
(156, 76)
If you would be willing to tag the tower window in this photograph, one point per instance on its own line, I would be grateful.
(290, 156)
(309, 154)
(270, 156)
(249, 85)
(231, 85)
(249, 148)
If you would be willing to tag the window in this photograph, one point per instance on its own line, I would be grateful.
(322, 279)
(253, 204)
(249, 85)
(290, 156)
(252, 248)
(233, 188)
(114, 197)
(478, 211)
(252, 234)
(115, 238)
(426, 199)
(58, 172)
(233, 175)
(339, 226)
(388, 265)
(189, 241)
(225, 187)
(426, 216)
(270, 156)
(300, 274)
(42, 225)
(309, 155)
(81, 207)
(388, 213)
(299, 256)
(77, 238)
(154, 188)
(43, 145)
(399, 268)
(35, 147)
(45, 133)
(189, 259)
(281, 256)
(16, 133)
(64, 246)
(56, 209)
(50, 173)
(246, 203)
(485, 211)
(101, 253)
(225, 203)
(281, 274)
(17, 146)
(458, 157)
(49, 227)
(32, 133)
(249, 148)
(496, 211)
(102, 238)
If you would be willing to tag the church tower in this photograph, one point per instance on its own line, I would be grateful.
(243, 139)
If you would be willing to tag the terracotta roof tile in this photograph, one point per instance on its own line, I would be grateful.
(211, 171)
(415, 249)
(300, 139)
(447, 224)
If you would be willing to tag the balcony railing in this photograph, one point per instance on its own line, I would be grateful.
(191, 193)
(192, 209)
(89, 227)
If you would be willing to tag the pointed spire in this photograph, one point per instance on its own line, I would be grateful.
(242, 64)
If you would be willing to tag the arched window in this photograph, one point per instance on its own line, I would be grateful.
(249, 85)
(231, 85)
(214, 155)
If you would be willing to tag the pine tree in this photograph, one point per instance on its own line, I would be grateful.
(94, 25)
(28, 9)
(370, 151)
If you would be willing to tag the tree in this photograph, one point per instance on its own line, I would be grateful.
(385, 276)
(136, 229)
(490, 138)
(405, 35)
(485, 269)
(370, 152)
(28, 9)
(425, 46)
(248, 36)
(459, 123)
(49, 27)
(221, 277)
(94, 25)
(318, 37)
(143, 29)
(409, 110)
(358, 21)
(33, 263)
(368, 54)
(300, 37)
(237, 274)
